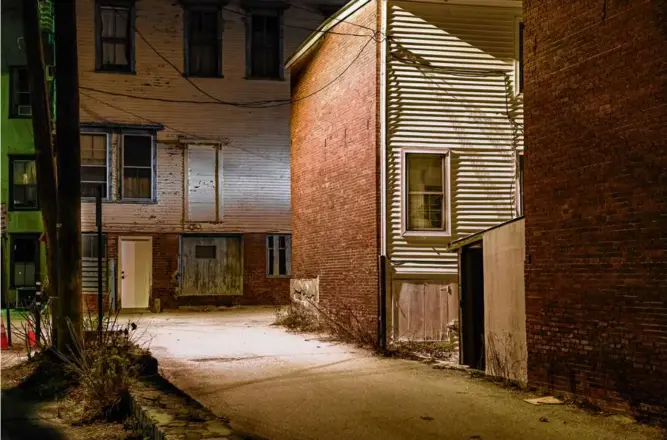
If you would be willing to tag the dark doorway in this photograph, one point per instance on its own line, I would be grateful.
(472, 306)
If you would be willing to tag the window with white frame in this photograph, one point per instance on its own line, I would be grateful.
(94, 164)
(426, 197)
(278, 255)
(138, 157)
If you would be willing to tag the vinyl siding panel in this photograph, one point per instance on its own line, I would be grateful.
(450, 87)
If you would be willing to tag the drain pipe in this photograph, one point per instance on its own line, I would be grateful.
(382, 305)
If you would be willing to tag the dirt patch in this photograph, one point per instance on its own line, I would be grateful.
(40, 401)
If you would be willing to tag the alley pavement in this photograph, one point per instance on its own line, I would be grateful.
(286, 386)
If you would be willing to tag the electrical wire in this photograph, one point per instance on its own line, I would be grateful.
(192, 135)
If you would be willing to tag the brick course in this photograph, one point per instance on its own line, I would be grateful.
(596, 200)
(258, 289)
(335, 169)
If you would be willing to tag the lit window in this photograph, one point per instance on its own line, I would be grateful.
(23, 183)
(426, 192)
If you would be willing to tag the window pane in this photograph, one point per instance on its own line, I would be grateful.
(203, 60)
(425, 211)
(205, 252)
(271, 261)
(137, 151)
(121, 22)
(25, 250)
(25, 172)
(424, 173)
(25, 274)
(120, 55)
(25, 196)
(137, 183)
(94, 174)
(22, 84)
(108, 53)
(94, 150)
(107, 16)
(265, 39)
(89, 245)
(282, 261)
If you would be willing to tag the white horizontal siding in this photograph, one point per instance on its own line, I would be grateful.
(450, 79)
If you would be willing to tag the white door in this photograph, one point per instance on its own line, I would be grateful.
(135, 273)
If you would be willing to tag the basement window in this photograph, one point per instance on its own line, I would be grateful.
(426, 204)
(278, 255)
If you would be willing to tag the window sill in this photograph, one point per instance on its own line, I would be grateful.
(121, 72)
(426, 234)
(279, 276)
(264, 78)
(190, 75)
(19, 117)
(121, 201)
(14, 209)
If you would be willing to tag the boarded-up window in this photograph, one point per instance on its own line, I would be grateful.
(89, 253)
(278, 255)
(137, 167)
(204, 200)
(426, 197)
(94, 162)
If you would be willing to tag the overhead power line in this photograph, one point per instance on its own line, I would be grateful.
(192, 135)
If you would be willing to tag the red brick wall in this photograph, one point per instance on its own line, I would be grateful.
(596, 200)
(258, 289)
(335, 174)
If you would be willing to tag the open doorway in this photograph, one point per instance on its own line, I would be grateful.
(472, 306)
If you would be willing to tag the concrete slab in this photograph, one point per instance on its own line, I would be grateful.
(290, 386)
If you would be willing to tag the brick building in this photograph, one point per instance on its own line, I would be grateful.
(404, 118)
(196, 181)
(596, 200)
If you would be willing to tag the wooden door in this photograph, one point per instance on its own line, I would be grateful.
(211, 265)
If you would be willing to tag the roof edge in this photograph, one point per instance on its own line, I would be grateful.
(312, 40)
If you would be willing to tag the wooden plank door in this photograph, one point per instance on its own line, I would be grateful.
(211, 265)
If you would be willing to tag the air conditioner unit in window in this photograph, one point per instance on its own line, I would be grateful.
(24, 110)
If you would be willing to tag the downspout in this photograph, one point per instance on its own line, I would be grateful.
(382, 258)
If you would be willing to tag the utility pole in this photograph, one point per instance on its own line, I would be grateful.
(68, 152)
(41, 124)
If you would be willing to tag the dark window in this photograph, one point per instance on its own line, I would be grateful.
(23, 183)
(25, 261)
(19, 93)
(203, 43)
(205, 252)
(137, 167)
(89, 248)
(520, 57)
(278, 255)
(115, 37)
(47, 47)
(94, 171)
(264, 57)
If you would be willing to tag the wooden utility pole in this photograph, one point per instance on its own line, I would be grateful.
(68, 153)
(41, 124)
